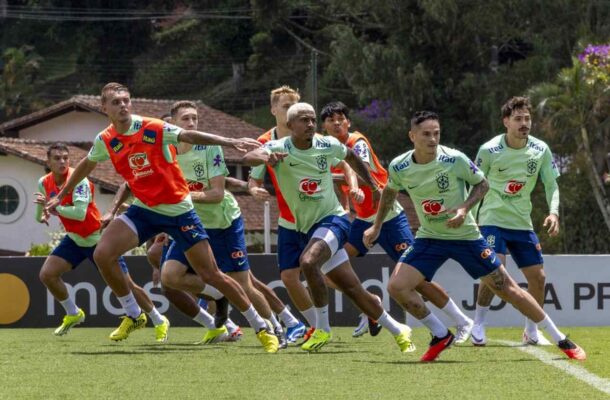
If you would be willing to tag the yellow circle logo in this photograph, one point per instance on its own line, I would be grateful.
(14, 299)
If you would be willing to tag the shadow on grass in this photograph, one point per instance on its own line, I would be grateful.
(417, 362)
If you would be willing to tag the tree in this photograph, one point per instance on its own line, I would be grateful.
(19, 75)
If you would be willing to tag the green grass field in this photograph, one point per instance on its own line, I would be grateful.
(85, 364)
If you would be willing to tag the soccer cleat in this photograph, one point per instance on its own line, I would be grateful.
(127, 326)
(268, 340)
(477, 335)
(374, 327)
(463, 332)
(437, 345)
(308, 334)
(70, 321)
(295, 332)
(216, 335)
(403, 340)
(537, 339)
(161, 330)
(572, 350)
(318, 339)
(281, 337)
(222, 312)
(235, 335)
(363, 326)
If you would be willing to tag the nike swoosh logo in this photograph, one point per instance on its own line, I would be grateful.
(412, 187)
(502, 169)
(241, 262)
(294, 164)
(476, 339)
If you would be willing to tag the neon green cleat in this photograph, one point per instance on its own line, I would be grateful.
(161, 330)
(318, 339)
(215, 336)
(127, 326)
(269, 341)
(403, 340)
(68, 322)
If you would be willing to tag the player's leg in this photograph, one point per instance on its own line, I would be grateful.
(160, 322)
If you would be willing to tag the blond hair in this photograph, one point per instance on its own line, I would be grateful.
(298, 108)
(284, 90)
(112, 87)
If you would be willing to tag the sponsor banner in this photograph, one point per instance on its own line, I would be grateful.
(577, 292)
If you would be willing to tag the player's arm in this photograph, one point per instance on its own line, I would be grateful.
(483, 161)
(82, 170)
(81, 197)
(469, 172)
(351, 180)
(361, 169)
(263, 155)
(235, 185)
(121, 196)
(197, 137)
(386, 202)
(549, 174)
(256, 182)
(214, 194)
(40, 198)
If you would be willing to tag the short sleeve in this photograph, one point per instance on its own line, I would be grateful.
(258, 172)
(82, 192)
(98, 151)
(482, 160)
(393, 181)
(362, 150)
(170, 133)
(467, 170)
(339, 150)
(548, 170)
(216, 162)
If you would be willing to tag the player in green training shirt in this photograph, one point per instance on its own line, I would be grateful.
(436, 177)
(512, 163)
(302, 164)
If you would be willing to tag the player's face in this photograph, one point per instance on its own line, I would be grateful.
(280, 109)
(519, 124)
(337, 125)
(426, 136)
(118, 106)
(59, 161)
(303, 126)
(186, 118)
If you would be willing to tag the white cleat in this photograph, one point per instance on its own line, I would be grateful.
(363, 326)
(477, 335)
(536, 339)
(463, 332)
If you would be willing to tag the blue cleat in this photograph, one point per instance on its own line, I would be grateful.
(295, 332)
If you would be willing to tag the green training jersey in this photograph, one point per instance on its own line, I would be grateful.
(200, 164)
(436, 187)
(306, 180)
(512, 175)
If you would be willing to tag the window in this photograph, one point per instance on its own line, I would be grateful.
(9, 200)
(12, 200)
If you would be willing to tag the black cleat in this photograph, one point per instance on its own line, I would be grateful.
(374, 327)
(222, 312)
(281, 337)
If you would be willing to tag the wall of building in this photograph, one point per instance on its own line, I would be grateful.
(75, 126)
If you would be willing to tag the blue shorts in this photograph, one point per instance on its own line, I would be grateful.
(290, 243)
(75, 254)
(395, 236)
(172, 252)
(523, 246)
(475, 256)
(186, 229)
(228, 246)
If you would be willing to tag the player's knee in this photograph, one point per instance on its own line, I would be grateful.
(537, 280)
(45, 275)
(395, 287)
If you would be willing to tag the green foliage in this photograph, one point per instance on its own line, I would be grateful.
(42, 249)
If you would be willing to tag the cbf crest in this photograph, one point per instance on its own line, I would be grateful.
(532, 166)
(199, 169)
(442, 181)
(322, 162)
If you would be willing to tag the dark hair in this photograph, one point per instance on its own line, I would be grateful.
(421, 116)
(57, 147)
(334, 107)
(112, 87)
(515, 103)
(181, 104)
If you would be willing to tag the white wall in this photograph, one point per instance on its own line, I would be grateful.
(20, 233)
(75, 126)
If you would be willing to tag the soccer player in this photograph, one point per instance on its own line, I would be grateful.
(82, 221)
(302, 163)
(395, 236)
(512, 163)
(436, 177)
(139, 148)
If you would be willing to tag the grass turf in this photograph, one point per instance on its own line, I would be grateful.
(85, 364)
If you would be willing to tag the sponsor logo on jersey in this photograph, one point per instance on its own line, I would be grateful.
(401, 246)
(149, 136)
(433, 207)
(116, 145)
(496, 149)
(322, 144)
(535, 146)
(442, 181)
(322, 163)
(486, 253)
(401, 166)
(532, 166)
(491, 240)
(195, 186)
(513, 186)
(446, 159)
(140, 165)
(237, 254)
(199, 169)
(187, 228)
(308, 187)
(200, 147)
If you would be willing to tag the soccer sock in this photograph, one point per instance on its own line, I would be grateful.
(322, 321)
(549, 326)
(155, 316)
(70, 306)
(131, 307)
(287, 317)
(204, 318)
(389, 323)
(254, 319)
(231, 326)
(275, 322)
(479, 314)
(310, 316)
(454, 312)
(212, 292)
(530, 327)
(435, 325)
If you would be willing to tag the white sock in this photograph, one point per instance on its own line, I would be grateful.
(435, 325)
(454, 312)
(310, 316)
(205, 319)
(530, 327)
(231, 326)
(130, 305)
(479, 314)
(254, 319)
(549, 326)
(287, 318)
(322, 321)
(275, 322)
(212, 292)
(155, 316)
(70, 306)
(390, 323)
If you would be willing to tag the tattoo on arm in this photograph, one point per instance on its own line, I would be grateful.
(388, 197)
(476, 194)
(360, 168)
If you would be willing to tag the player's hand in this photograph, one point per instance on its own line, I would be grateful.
(156, 277)
(51, 205)
(106, 219)
(44, 218)
(275, 158)
(458, 219)
(357, 195)
(162, 238)
(40, 198)
(259, 193)
(370, 236)
(246, 144)
(552, 221)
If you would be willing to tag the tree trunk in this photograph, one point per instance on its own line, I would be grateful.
(596, 184)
